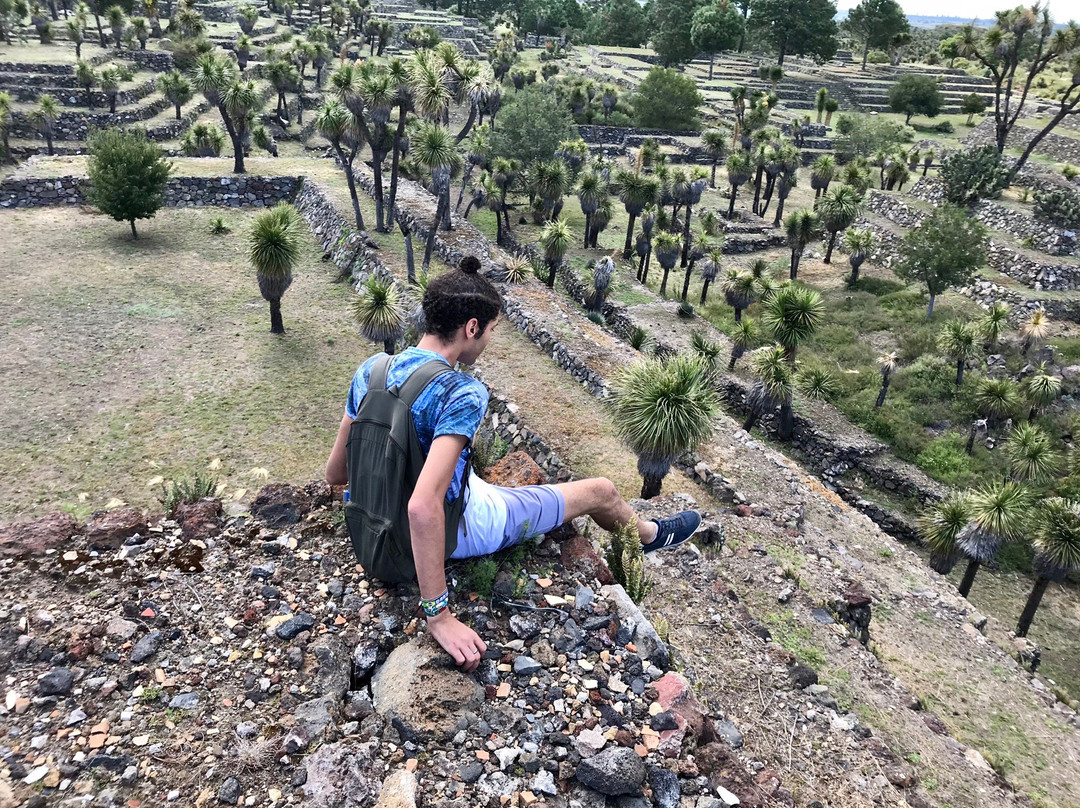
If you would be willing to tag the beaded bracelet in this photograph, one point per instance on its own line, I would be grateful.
(436, 605)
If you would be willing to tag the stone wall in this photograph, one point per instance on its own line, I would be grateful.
(76, 125)
(233, 191)
(76, 96)
(1057, 147)
(158, 61)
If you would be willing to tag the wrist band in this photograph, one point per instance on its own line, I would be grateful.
(435, 606)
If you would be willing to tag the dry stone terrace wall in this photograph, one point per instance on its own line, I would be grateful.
(72, 95)
(233, 191)
(1057, 147)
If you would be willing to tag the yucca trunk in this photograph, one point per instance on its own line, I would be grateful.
(785, 427)
(970, 446)
(942, 563)
(796, 256)
(685, 257)
(629, 237)
(752, 418)
(705, 294)
(1032, 605)
(969, 577)
(49, 142)
(410, 263)
(390, 346)
(736, 352)
(429, 248)
(731, 204)
(959, 372)
(276, 325)
(588, 228)
(884, 390)
(686, 281)
(553, 266)
(651, 484)
(832, 243)
(395, 158)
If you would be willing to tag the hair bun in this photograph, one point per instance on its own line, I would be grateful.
(470, 265)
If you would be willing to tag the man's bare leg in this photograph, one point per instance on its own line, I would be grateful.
(600, 499)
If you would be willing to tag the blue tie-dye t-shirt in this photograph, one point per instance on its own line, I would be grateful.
(453, 404)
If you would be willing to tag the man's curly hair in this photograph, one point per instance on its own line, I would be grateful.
(454, 298)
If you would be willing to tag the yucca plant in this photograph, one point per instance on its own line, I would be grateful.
(602, 274)
(338, 125)
(1032, 458)
(714, 142)
(998, 515)
(636, 192)
(44, 117)
(801, 227)
(1041, 390)
(591, 191)
(555, 240)
(817, 383)
(202, 140)
(710, 268)
(1056, 528)
(175, 86)
(640, 340)
(740, 167)
(838, 210)
(140, 28)
(5, 124)
(995, 399)
(110, 85)
(705, 349)
(117, 22)
(821, 173)
(380, 312)
(791, 316)
(663, 409)
(858, 242)
(742, 336)
(774, 385)
(993, 324)
(76, 28)
(518, 269)
(1034, 330)
(958, 342)
(887, 364)
(273, 249)
(939, 525)
(666, 246)
(740, 290)
(433, 149)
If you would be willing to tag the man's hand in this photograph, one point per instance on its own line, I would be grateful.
(460, 641)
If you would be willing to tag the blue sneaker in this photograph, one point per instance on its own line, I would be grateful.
(674, 530)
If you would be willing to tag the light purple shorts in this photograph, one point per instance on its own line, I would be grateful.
(531, 510)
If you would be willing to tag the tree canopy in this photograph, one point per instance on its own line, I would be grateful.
(801, 27)
(127, 175)
(874, 23)
(671, 37)
(667, 99)
(915, 94)
(619, 23)
(716, 27)
(943, 251)
(532, 124)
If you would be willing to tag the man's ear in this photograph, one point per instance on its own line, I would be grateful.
(472, 328)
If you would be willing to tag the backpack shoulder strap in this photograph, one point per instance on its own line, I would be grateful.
(377, 377)
(420, 378)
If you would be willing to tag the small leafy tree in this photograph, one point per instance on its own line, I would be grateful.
(972, 105)
(973, 174)
(943, 251)
(175, 86)
(1057, 552)
(666, 99)
(915, 94)
(716, 27)
(127, 175)
(663, 409)
(274, 249)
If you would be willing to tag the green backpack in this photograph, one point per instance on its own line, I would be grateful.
(384, 458)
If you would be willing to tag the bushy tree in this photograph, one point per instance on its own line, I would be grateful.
(874, 23)
(127, 175)
(916, 94)
(621, 23)
(973, 104)
(667, 99)
(1059, 206)
(670, 35)
(973, 174)
(716, 27)
(532, 124)
(943, 251)
(863, 135)
(801, 27)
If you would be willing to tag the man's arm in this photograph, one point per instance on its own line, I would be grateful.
(337, 472)
(427, 521)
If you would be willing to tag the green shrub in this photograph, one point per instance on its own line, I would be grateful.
(478, 576)
(1059, 207)
(944, 459)
(187, 489)
(973, 174)
(219, 228)
(626, 560)
(914, 344)
(876, 57)
(487, 450)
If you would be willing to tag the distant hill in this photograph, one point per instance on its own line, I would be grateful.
(920, 21)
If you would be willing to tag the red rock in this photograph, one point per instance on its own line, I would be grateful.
(280, 504)
(577, 555)
(721, 765)
(743, 510)
(25, 539)
(199, 520)
(109, 529)
(674, 693)
(515, 470)
(624, 738)
(80, 649)
(319, 493)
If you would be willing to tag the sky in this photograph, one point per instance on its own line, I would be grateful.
(1060, 10)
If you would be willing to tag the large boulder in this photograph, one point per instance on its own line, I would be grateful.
(280, 505)
(107, 530)
(515, 470)
(25, 539)
(580, 559)
(334, 671)
(420, 684)
(674, 694)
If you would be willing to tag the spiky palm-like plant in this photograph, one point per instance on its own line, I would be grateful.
(602, 275)
(601, 219)
(742, 336)
(706, 350)
(939, 525)
(959, 342)
(838, 210)
(202, 140)
(216, 77)
(995, 399)
(175, 86)
(689, 196)
(663, 409)
(666, 246)
(1034, 330)
(550, 180)
(710, 268)
(1056, 528)
(792, 315)
(740, 168)
(242, 49)
(518, 269)
(774, 385)
(817, 383)
(555, 240)
(110, 85)
(86, 77)
(714, 141)
(1032, 458)
(140, 27)
(477, 155)
(117, 22)
(273, 249)
(380, 311)
(858, 242)
(338, 125)
(433, 149)
(993, 324)
(998, 515)
(822, 173)
(636, 191)
(801, 227)
(76, 27)
(887, 364)
(591, 191)
(1041, 389)
(44, 117)
(739, 290)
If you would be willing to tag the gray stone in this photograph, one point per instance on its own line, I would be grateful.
(246, 730)
(334, 673)
(314, 716)
(295, 625)
(146, 647)
(230, 792)
(121, 629)
(398, 790)
(525, 626)
(729, 732)
(583, 597)
(526, 666)
(665, 788)
(364, 658)
(342, 775)
(648, 642)
(184, 701)
(56, 682)
(471, 772)
(613, 772)
(544, 783)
